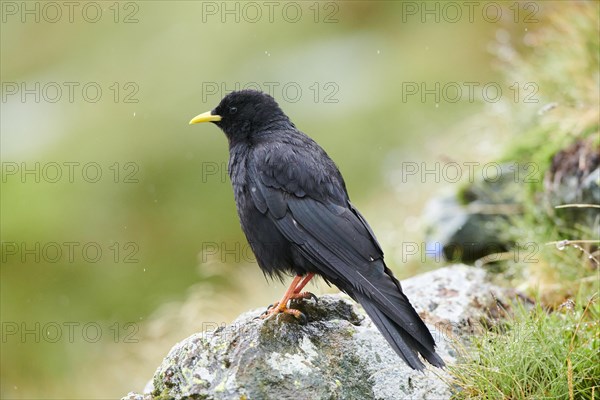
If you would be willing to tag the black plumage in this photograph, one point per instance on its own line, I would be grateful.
(295, 212)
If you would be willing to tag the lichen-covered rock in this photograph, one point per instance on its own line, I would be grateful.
(337, 354)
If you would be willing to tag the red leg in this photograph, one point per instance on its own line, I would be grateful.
(298, 294)
(292, 292)
(304, 282)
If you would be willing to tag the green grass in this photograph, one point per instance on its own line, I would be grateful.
(550, 350)
(535, 354)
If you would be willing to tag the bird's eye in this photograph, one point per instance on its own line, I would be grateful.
(232, 110)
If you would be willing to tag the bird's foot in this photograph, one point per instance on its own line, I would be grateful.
(304, 296)
(292, 293)
(277, 308)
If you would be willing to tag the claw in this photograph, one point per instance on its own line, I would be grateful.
(292, 294)
(305, 296)
(303, 318)
(267, 314)
(271, 311)
(269, 308)
(313, 297)
(296, 313)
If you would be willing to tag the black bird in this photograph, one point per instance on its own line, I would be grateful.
(295, 211)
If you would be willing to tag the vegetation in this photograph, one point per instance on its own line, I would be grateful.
(552, 350)
(536, 355)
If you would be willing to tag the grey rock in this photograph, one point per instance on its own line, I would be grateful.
(338, 354)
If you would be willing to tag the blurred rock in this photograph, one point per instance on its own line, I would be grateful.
(574, 178)
(338, 354)
(468, 225)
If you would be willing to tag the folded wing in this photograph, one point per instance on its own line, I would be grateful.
(332, 235)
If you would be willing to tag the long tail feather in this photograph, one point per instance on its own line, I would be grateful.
(405, 345)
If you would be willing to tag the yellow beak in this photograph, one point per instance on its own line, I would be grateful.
(205, 117)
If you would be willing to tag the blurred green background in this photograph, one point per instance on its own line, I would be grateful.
(172, 260)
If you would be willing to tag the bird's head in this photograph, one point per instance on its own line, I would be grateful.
(242, 113)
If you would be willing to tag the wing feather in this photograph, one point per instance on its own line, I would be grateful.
(333, 235)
